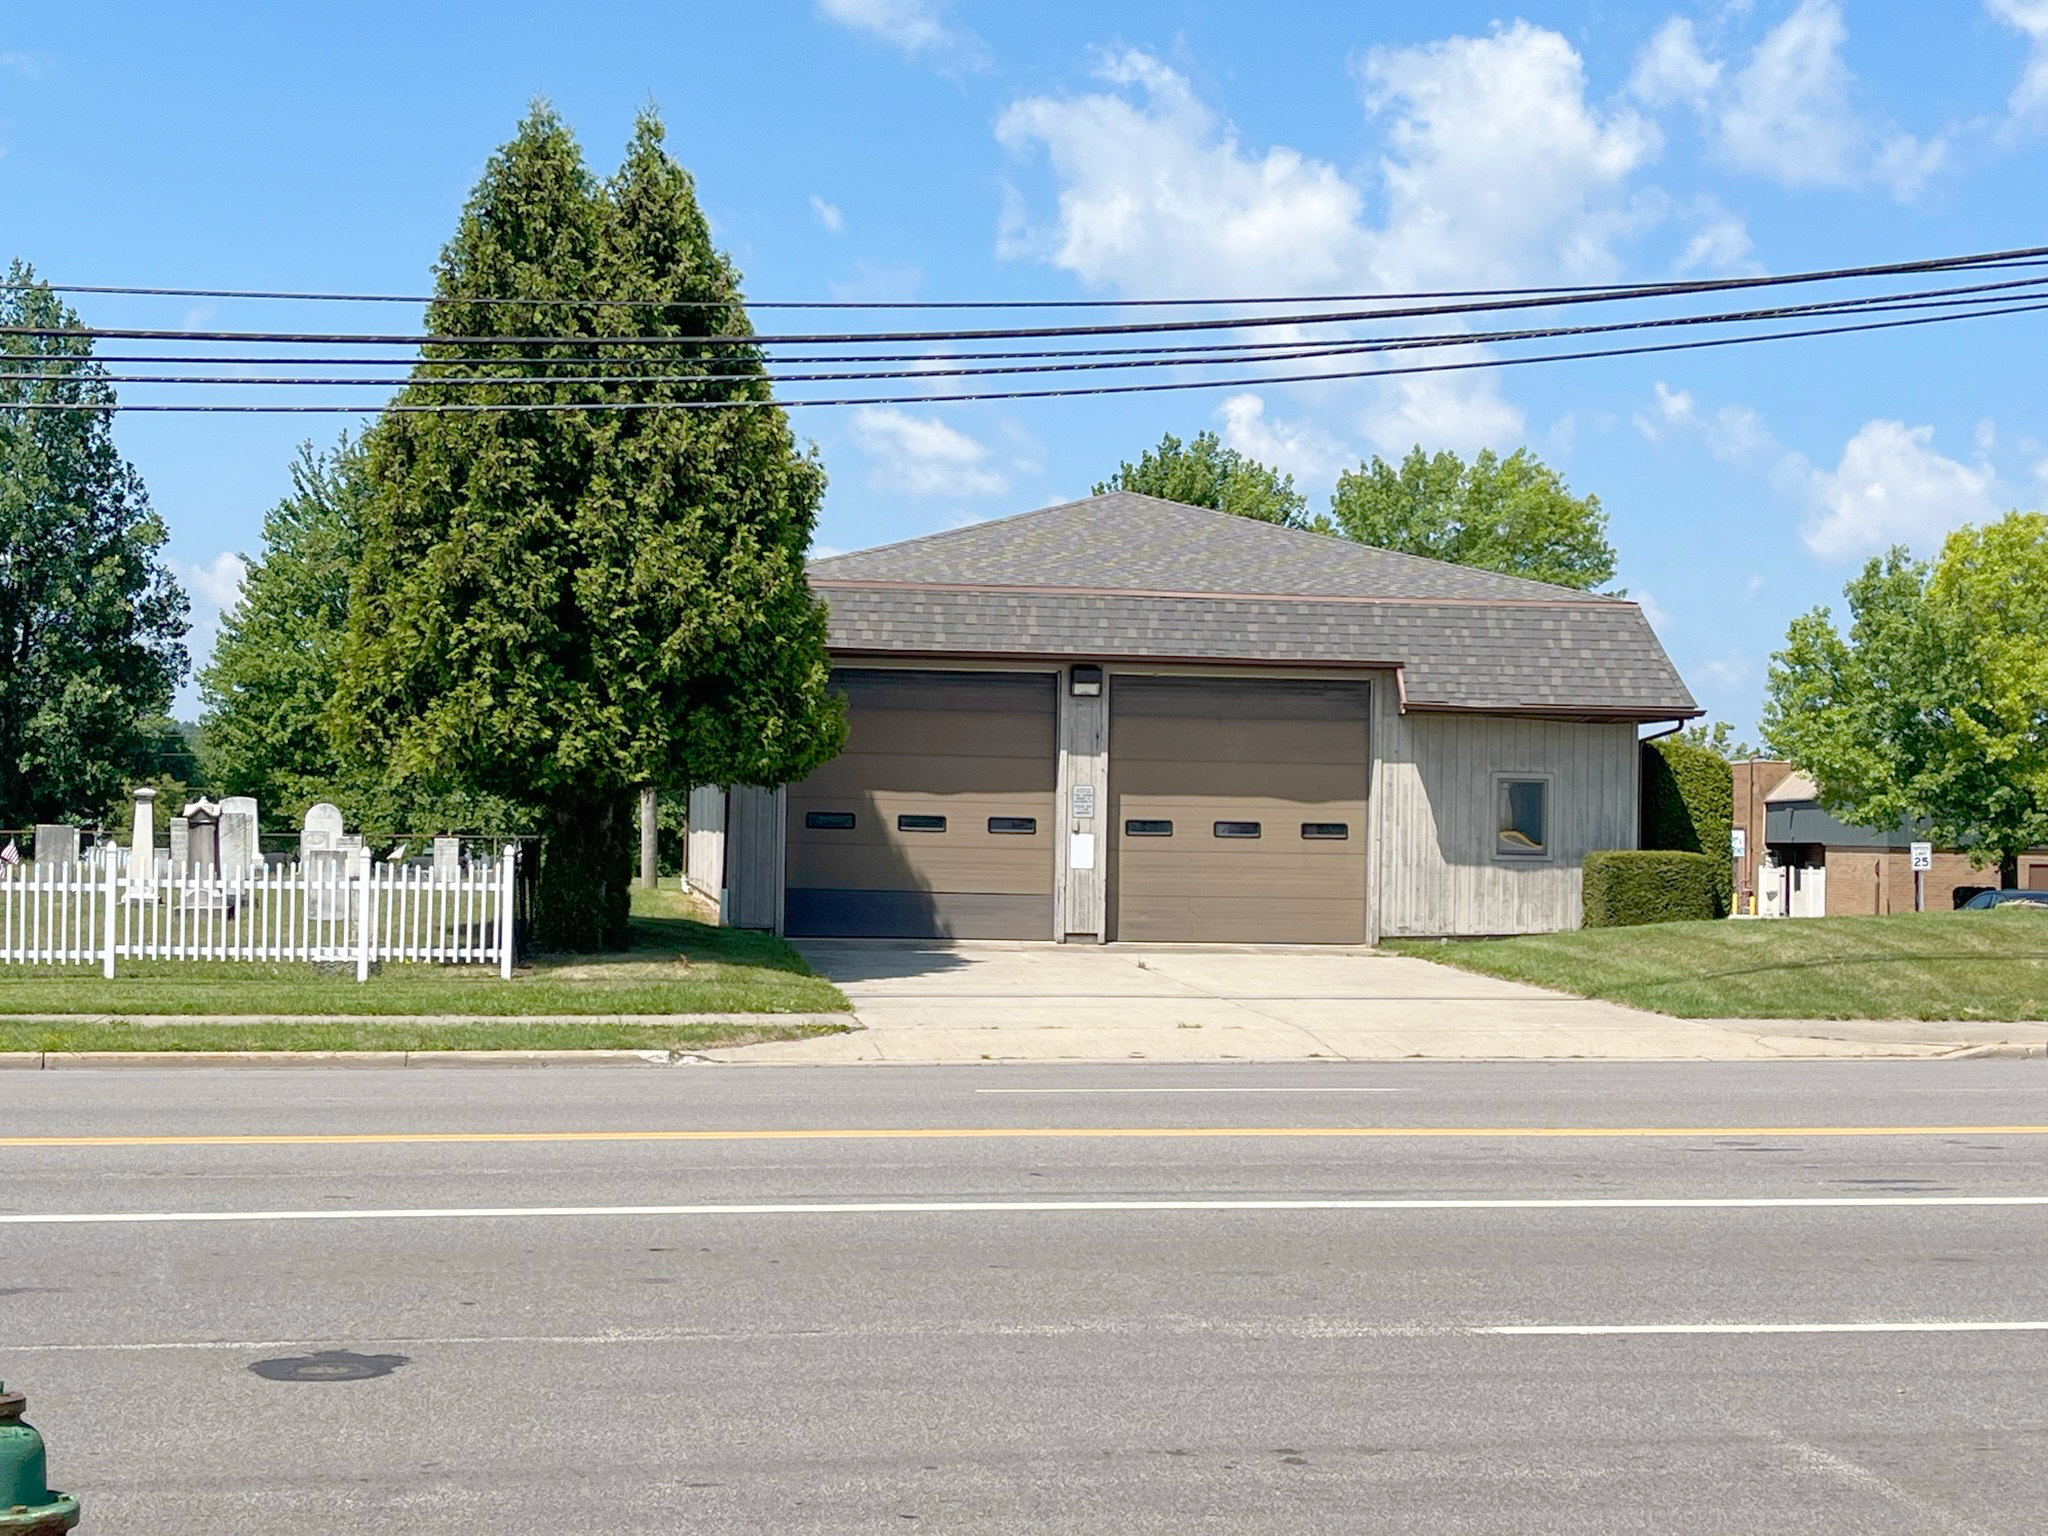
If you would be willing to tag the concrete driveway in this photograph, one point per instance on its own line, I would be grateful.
(932, 1001)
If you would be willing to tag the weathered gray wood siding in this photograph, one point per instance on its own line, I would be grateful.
(1079, 895)
(704, 843)
(1433, 809)
(754, 847)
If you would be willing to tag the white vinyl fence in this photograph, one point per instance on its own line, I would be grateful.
(97, 911)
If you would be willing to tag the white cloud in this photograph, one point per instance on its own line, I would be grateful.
(1295, 447)
(1787, 113)
(1720, 245)
(921, 456)
(1658, 615)
(1734, 433)
(1497, 170)
(827, 214)
(1891, 487)
(1158, 194)
(916, 27)
(218, 582)
(29, 66)
(1464, 412)
(1673, 411)
(1501, 169)
(2028, 103)
(1724, 674)
(1672, 70)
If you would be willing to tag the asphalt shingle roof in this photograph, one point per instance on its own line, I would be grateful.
(1130, 577)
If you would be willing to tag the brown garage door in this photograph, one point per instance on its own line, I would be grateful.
(1239, 810)
(936, 821)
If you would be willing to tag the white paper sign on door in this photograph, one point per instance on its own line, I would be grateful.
(1081, 851)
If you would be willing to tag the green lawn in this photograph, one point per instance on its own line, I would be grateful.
(1926, 965)
(676, 965)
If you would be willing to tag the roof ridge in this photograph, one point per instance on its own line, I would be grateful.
(979, 523)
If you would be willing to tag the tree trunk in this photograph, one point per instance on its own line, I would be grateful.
(2008, 871)
(650, 838)
(586, 873)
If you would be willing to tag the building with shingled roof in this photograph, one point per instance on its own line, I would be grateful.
(1125, 719)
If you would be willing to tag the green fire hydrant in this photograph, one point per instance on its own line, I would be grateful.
(27, 1506)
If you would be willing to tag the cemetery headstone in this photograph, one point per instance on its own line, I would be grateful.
(321, 830)
(142, 848)
(56, 843)
(181, 842)
(240, 849)
(447, 859)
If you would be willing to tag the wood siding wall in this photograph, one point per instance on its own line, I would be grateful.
(754, 857)
(1081, 903)
(704, 843)
(1434, 871)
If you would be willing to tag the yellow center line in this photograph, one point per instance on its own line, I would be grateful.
(1012, 1133)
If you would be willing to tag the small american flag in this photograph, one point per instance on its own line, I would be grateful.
(10, 854)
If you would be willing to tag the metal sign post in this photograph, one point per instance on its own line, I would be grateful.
(1923, 861)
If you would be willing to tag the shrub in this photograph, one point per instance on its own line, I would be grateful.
(1626, 887)
(1688, 800)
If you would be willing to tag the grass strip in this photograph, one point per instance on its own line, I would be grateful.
(676, 964)
(323, 1035)
(1971, 966)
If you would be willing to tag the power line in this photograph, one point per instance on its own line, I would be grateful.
(1065, 392)
(1550, 298)
(1889, 269)
(1965, 298)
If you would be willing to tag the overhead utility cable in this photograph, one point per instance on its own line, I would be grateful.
(568, 407)
(1889, 269)
(1018, 333)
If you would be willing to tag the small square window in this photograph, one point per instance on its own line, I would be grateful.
(1237, 829)
(1148, 829)
(828, 821)
(1019, 824)
(920, 823)
(1523, 828)
(1325, 831)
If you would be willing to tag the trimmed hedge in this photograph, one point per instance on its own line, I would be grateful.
(1688, 800)
(1627, 887)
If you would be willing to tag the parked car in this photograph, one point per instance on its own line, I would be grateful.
(1986, 899)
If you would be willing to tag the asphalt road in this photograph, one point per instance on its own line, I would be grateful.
(1148, 1299)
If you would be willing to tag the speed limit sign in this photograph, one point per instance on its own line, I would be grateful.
(1923, 855)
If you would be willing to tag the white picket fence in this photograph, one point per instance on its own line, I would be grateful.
(97, 912)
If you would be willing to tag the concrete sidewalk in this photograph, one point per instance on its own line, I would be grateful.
(999, 1001)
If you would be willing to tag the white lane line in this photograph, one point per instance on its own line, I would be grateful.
(1525, 1330)
(1264, 1329)
(1187, 1090)
(1023, 1207)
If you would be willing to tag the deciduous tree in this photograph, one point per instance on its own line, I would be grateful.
(1933, 708)
(1204, 473)
(1513, 515)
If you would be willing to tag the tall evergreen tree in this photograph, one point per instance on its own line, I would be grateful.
(91, 623)
(560, 605)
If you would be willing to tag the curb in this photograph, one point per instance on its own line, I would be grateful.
(347, 1061)
(2011, 1050)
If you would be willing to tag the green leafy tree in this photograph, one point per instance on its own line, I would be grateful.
(558, 606)
(277, 657)
(1931, 708)
(91, 623)
(276, 665)
(1204, 473)
(1513, 515)
(1719, 739)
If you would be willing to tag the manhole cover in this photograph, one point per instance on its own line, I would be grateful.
(329, 1365)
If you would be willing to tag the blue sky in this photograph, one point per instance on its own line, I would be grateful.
(898, 149)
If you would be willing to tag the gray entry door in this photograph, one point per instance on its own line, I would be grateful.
(936, 821)
(1239, 810)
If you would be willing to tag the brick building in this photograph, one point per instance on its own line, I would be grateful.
(1798, 861)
